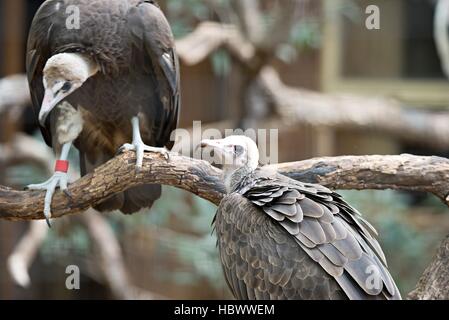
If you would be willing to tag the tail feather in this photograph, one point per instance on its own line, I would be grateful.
(140, 197)
(112, 203)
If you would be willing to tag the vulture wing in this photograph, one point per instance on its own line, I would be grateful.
(261, 261)
(154, 49)
(323, 227)
(44, 23)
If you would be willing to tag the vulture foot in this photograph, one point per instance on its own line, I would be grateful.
(140, 148)
(59, 178)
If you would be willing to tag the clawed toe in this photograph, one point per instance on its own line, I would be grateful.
(126, 147)
(47, 219)
(140, 148)
(164, 152)
(58, 179)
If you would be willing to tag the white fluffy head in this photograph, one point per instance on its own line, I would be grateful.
(63, 74)
(68, 67)
(234, 152)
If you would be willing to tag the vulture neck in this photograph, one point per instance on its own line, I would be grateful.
(232, 178)
(86, 63)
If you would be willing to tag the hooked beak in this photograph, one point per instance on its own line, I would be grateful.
(51, 100)
(48, 104)
(218, 149)
(214, 144)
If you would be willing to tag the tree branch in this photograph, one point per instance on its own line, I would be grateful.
(25, 251)
(300, 106)
(210, 36)
(434, 283)
(402, 172)
(405, 172)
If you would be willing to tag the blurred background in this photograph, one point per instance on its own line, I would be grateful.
(310, 68)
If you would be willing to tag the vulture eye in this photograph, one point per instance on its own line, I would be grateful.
(66, 87)
(238, 150)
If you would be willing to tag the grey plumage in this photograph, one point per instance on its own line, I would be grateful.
(132, 44)
(317, 247)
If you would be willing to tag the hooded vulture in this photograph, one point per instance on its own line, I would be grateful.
(103, 73)
(279, 238)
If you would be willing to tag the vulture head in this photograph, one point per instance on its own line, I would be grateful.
(63, 74)
(234, 153)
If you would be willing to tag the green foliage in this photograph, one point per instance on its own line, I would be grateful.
(184, 14)
(306, 33)
(352, 10)
(221, 62)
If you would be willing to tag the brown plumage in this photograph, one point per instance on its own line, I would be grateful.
(129, 47)
(279, 238)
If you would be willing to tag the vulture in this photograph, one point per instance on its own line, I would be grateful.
(279, 238)
(104, 77)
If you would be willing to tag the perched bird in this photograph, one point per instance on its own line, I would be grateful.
(103, 73)
(279, 238)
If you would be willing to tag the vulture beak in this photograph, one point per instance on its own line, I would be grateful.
(53, 96)
(48, 104)
(214, 144)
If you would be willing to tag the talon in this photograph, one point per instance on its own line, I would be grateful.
(125, 148)
(59, 178)
(48, 221)
(121, 150)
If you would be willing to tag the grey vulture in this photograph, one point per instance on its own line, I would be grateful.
(103, 73)
(279, 238)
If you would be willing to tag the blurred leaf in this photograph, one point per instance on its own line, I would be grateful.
(306, 33)
(221, 62)
(286, 53)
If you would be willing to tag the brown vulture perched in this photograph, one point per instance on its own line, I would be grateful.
(112, 80)
(279, 238)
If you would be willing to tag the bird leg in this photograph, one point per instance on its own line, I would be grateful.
(139, 147)
(59, 178)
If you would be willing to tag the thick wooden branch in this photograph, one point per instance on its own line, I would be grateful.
(404, 172)
(434, 283)
(401, 172)
(115, 176)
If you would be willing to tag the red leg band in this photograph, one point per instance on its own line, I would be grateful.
(62, 166)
